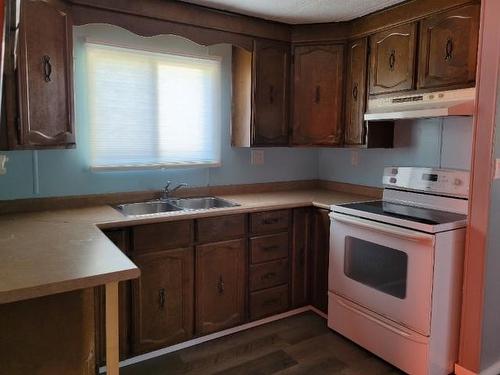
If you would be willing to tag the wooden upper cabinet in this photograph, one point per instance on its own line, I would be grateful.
(392, 62)
(317, 93)
(162, 299)
(220, 285)
(271, 64)
(45, 75)
(448, 48)
(357, 56)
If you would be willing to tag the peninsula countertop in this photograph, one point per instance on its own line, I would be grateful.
(51, 252)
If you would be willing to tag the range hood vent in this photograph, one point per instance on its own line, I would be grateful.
(433, 104)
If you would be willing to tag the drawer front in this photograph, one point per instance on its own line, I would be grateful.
(267, 275)
(268, 302)
(220, 228)
(266, 248)
(270, 221)
(162, 236)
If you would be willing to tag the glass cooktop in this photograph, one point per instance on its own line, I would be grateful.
(405, 212)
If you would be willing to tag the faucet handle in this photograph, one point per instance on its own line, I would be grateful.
(167, 185)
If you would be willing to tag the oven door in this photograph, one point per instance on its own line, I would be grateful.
(385, 268)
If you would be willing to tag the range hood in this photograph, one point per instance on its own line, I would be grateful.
(432, 104)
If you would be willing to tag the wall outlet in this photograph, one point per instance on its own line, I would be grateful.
(3, 164)
(354, 158)
(257, 157)
(497, 169)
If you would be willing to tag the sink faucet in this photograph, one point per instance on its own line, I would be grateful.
(167, 191)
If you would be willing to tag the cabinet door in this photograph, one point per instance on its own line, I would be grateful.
(319, 259)
(220, 285)
(45, 75)
(162, 299)
(357, 55)
(448, 48)
(300, 256)
(270, 93)
(317, 93)
(392, 62)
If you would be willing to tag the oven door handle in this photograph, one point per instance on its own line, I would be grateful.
(405, 234)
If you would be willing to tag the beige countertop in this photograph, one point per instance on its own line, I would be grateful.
(50, 252)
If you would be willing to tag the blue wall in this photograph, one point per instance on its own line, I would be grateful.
(66, 172)
(434, 143)
(442, 143)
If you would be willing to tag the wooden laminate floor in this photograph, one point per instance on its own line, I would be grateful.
(300, 344)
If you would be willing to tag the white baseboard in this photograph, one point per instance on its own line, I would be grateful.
(494, 369)
(319, 312)
(213, 336)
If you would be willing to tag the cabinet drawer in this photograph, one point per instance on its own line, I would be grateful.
(270, 221)
(266, 248)
(267, 275)
(162, 236)
(220, 228)
(268, 302)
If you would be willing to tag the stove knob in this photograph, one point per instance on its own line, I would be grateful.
(392, 180)
(457, 182)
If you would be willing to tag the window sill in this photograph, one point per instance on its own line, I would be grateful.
(145, 167)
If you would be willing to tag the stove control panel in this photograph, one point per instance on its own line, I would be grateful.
(448, 182)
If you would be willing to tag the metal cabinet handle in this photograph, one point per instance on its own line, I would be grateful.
(161, 298)
(405, 234)
(271, 94)
(392, 60)
(47, 68)
(317, 98)
(355, 92)
(220, 285)
(269, 275)
(448, 50)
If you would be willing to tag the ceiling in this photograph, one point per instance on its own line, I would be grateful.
(300, 11)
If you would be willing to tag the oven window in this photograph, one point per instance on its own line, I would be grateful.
(376, 266)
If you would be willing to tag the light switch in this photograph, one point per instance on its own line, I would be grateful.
(497, 169)
(354, 158)
(3, 164)
(257, 157)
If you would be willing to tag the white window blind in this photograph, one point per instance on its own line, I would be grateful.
(152, 110)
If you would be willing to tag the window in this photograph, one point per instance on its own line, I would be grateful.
(152, 110)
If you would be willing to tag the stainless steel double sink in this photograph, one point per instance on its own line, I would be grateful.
(173, 205)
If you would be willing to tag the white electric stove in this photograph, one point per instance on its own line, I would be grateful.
(396, 268)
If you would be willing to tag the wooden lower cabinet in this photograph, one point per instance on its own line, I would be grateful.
(320, 249)
(278, 261)
(268, 302)
(300, 256)
(48, 335)
(162, 299)
(220, 285)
